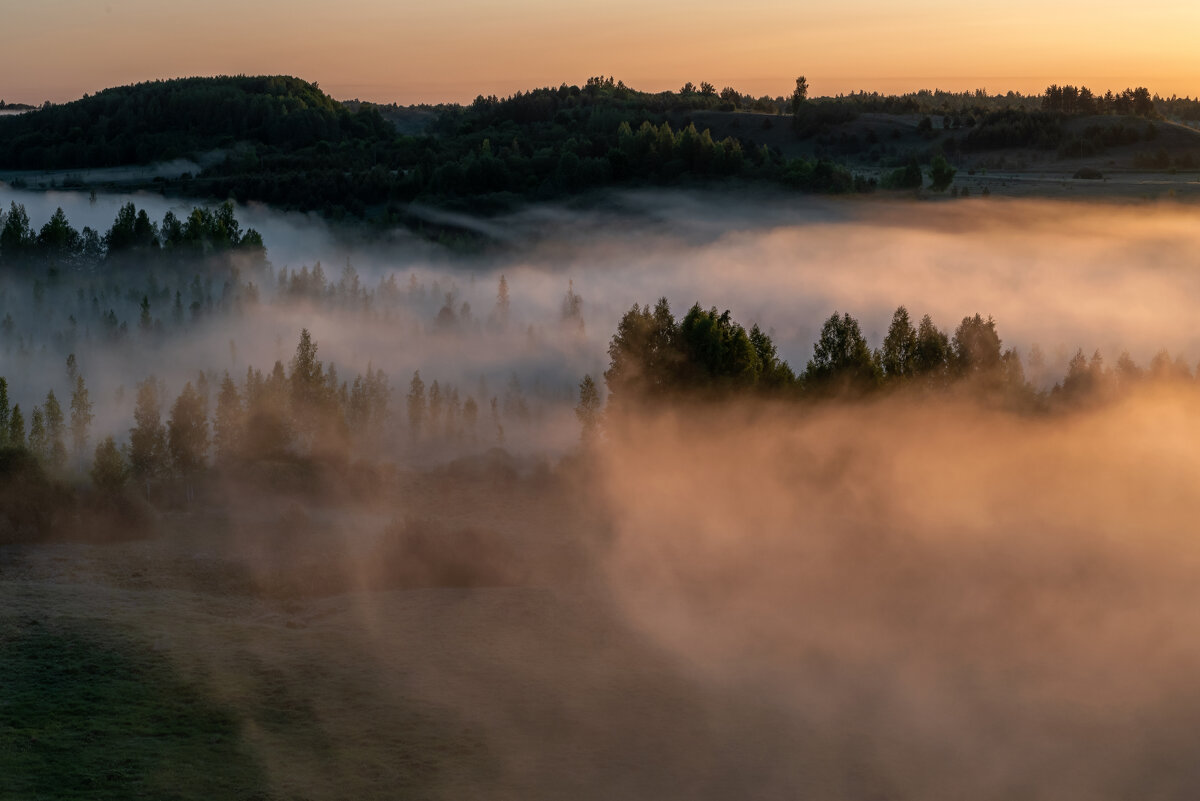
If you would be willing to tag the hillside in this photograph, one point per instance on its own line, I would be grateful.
(163, 120)
(283, 141)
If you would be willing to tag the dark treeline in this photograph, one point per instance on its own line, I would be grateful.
(1080, 100)
(133, 234)
(539, 144)
(287, 143)
(302, 424)
(654, 357)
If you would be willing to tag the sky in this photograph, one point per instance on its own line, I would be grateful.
(452, 50)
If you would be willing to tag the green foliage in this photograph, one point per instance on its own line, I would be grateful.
(187, 432)
(227, 425)
(645, 357)
(906, 177)
(941, 174)
(109, 469)
(717, 351)
(653, 357)
(842, 361)
(30, 502)
(148, 438)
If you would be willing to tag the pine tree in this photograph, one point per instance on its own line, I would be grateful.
(81, 417)
(109, 469)
(55, 432)
(148, 437)
(38, 444)
(227, 427)
(187, 434)
(145, 323)
(16, 428)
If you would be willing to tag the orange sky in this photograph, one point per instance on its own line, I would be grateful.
(451, 50)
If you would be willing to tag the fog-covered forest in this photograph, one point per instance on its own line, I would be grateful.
(681, 494)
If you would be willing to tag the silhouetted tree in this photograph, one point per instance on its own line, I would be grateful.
(799, 95)
(16, 428)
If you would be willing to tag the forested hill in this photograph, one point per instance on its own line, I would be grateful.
(162, 120)
(283, 141)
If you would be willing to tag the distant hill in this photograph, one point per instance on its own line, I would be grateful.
(283, 141)
(161, 120)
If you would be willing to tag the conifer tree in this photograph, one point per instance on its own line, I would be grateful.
(148, 437)
(16, 428)
(81, 417)
(39, 446)
(187, 434)
(55, 432)
(227, 427)
(109, 469)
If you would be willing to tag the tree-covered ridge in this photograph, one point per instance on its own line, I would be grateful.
(285, 142)
(162, 120)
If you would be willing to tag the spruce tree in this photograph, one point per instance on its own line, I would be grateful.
(81, 417)
(16, 428)
(55, 432)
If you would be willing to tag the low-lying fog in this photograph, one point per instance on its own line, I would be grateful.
(1060, 276)
(908, 596)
